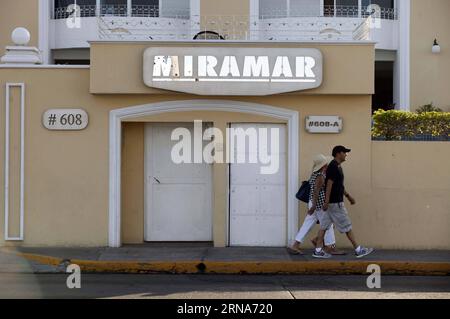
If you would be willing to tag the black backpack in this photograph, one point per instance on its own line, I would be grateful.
(303, 192)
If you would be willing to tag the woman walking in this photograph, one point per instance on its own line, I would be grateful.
(316, 202)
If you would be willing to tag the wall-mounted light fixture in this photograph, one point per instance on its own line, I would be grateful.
(436, 49)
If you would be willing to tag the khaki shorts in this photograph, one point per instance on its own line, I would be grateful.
(336, 214)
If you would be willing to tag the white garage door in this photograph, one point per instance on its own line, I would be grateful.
(178, 196)
(258, 213)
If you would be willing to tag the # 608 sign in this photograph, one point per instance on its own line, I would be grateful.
(65, 119)
(324, 124)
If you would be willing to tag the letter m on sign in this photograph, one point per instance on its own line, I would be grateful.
(162, 66)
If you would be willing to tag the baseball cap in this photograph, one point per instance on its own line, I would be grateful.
(340, 149)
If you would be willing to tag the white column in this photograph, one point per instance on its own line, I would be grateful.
(194, 8)
(98, 5)
(44, 30)
(195, 16)
(254, 19)
(129, 8)
(402, 86)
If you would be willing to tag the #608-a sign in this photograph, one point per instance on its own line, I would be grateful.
(65, 120)
(324, 124)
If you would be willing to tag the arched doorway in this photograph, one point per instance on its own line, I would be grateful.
(120, 115)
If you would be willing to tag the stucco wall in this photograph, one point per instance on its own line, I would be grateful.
(18, 13)
(133, 183)
(66, 173)
(410, 202)
(402, 195)
(356, 133)
(430, 74)
(228, 18)
(348, 69)
(220, 7)
(401, 191)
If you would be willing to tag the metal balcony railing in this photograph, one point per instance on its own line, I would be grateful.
(145, 11)
(117, 10)
(330, 11)
(142, 11)
(384, 13)
(231, 28)
(152, 11)
(69, 11)
(119, 22)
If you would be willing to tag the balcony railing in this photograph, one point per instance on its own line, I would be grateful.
(232, 27)
(142, 11)
(119, 10)
(83, 11)
(331, 11)
(119, 22)
(145, 11)
(151, 11)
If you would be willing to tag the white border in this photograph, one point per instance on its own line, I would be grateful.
(115, 135)
(22, 159)
(194, 6)
(231, 42)
(41, 66)
(44, 30)
(404, 56)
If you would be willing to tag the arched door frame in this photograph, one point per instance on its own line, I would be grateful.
(115, 132)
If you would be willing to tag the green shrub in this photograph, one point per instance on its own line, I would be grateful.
(428, 108)
(398, 125)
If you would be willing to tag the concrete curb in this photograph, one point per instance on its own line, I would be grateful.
(256, 267)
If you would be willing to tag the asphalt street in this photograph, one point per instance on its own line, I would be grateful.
(23, 285)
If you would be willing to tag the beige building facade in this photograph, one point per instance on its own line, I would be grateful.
(405, 37)
(98, 186)
(429, 72)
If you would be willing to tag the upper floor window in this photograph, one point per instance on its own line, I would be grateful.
(288, 8)
(341, 8)
(175, 8)
(145, 8)
(114, 8)
(386, 8)
(123, 8)
(387, 4)
(309, 8)
(271, 9)
(328, 8)
(66, 8)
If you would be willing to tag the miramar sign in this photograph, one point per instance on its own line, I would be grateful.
(233, 71)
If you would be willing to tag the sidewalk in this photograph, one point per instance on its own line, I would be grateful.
(204, 259)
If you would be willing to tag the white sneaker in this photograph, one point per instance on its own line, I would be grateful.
(363, 252)
(321, 254)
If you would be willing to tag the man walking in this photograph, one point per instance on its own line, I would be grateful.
(333, 210)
